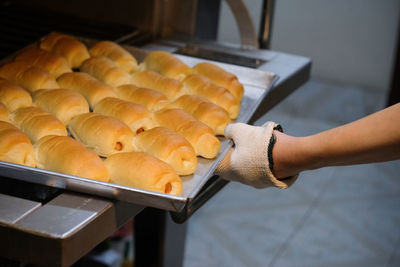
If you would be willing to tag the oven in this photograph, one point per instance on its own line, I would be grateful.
(48, 223)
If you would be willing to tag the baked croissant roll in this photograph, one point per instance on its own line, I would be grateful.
(74, 51)
(208, 113)
(171, 88)
(14, 96)
(166, 64)
(137, 117)
(37, 123)
(62, 103)
(15, 146)
(52, 63)
(101, 134)
(91, 88)
(201, 85)
(29, 77)
(168, 146)
(199, 135)
(66, 155)
(148, 98)
(3, 112)
(144, 172)
(106, 71)
(221, 78)
(116, 53)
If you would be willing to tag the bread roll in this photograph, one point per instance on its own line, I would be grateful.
(29, 77)
(62, 103)
(166, 64)
(101, 134)
(149, 98)
(171, 88)
(137, 117)
(36, 123)
(3, 112)
(201, 85)
(144, 172)
(116, 53)
(15, 146)
(66, 155)
(106, 71)
(168, 146)
(221, 78)
(199, 135)
(14, 96)
(91, 88)
(74, 51)
(52, 63)
(208, 113)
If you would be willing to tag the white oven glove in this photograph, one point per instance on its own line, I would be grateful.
(249, 161)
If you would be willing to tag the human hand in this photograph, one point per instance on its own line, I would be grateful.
(249, 161)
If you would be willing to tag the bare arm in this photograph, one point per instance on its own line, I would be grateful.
(373, 138)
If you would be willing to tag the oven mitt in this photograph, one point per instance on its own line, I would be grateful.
(250, 161)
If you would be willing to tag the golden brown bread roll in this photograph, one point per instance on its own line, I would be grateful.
(149, 98)
(144, 172)
(91, 88)
(221, 78)
(137, 117)
(3, 112)
(166, 64)
(101, 134)
(116, 53)
(36, 123)
(52, 63)
(201, 85)
(15, 146)
(171, 88)
(13, 96)
(105, 70)
(66, 155)
(168, 146)
(62, 103)
(208, 113)
(74, 51)
(29, 77)
(199, 135)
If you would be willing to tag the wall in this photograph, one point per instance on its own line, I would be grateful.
(350, 42)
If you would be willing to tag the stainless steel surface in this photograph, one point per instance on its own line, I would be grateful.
(61, 231)
(13, 209)
(199, 52)
(256, 83)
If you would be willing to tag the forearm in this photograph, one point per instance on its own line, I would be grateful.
(371, 139)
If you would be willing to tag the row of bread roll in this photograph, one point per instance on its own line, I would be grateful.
(27, 76)
(37, 123)
(88, 86)
(160, 142)
(201, 85)
(15, 146)
(172, 67)
(52, 63)
(73, 50)
(13, 96)
(106, 71)
(64, 104)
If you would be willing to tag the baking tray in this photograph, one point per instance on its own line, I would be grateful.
(256, 86)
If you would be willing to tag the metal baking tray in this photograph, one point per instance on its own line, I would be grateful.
(256, 85)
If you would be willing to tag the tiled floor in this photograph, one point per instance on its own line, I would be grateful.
(337, 216)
